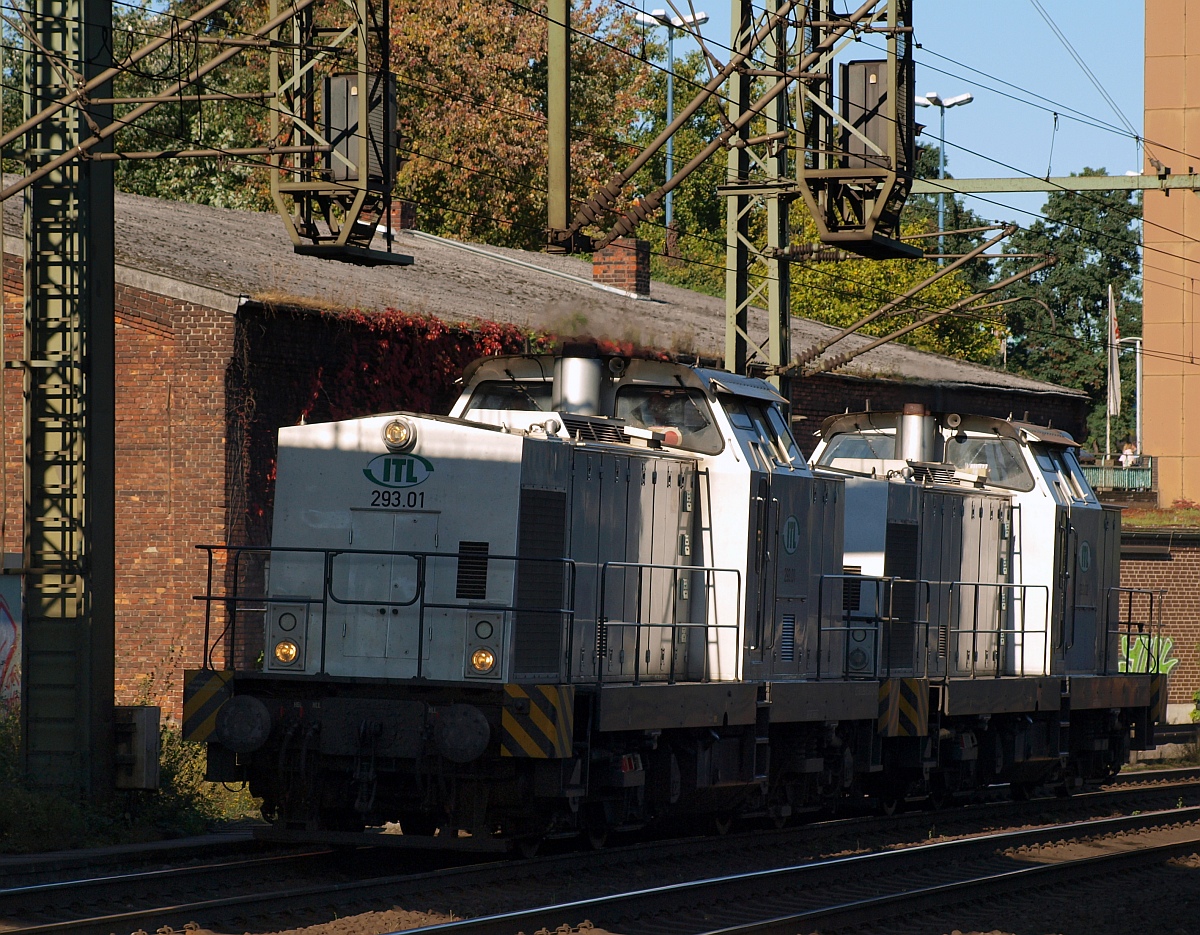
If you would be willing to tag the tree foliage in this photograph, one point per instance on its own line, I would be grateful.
(186, 123)
(1095, 239)
(472, 85)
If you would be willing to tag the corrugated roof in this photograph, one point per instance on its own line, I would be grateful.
(245, 253)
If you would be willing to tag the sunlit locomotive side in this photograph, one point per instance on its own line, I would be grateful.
(606, 591)
(1019, 617)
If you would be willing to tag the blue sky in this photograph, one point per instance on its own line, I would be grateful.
(1009, 131)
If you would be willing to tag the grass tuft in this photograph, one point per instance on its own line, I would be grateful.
(35, 819)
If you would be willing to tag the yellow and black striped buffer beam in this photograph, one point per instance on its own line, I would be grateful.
(204, 691)
(538, 721)
(903, 708)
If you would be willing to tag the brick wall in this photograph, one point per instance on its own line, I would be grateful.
(624, 264)
(818, 397)
(171, 358)
(1170, 559)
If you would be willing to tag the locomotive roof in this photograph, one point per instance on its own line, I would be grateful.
(887, 419)
(708, 377)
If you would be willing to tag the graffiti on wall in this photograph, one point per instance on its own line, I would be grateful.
(10, 639)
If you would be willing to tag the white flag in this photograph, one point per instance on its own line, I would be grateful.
(1114, 368)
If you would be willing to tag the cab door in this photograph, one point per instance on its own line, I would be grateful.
(374, 607)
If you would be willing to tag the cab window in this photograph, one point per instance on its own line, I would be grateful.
(1054, 465)
(672, 410)
(765, 423)
(522, 395)
(1001, 456)
(867, 446)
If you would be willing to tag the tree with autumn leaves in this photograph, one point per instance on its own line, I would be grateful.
(471, 84)
(471, 80)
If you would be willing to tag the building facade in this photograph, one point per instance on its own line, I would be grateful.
(1171, 259)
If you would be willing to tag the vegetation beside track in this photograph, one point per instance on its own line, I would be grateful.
(33, 819)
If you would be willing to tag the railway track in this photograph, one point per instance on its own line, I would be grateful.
(309, 887)
(861, 889)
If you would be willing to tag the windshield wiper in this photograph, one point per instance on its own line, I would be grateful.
(521, 389)
(688, 396)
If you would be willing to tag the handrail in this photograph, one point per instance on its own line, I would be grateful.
(1022, 631)
(235, 602)
(1154, 607)
(674, 625)
(880, 622)
(875, 622)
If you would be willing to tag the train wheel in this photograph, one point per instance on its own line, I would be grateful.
(1020, 791)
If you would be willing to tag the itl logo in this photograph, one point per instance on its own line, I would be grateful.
(791, 535)
(398, 470)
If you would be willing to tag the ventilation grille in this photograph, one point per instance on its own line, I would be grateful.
(902, 559)
(851, 590)
(787, 640)
(933, 473)
(472, 571)
(584, 429)
(538, 640)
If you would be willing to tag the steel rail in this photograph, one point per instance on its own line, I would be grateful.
(681, 896)
(391, 887)
(942, 894)
(82, 884)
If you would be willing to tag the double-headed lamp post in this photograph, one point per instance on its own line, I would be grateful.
(933, 99)
(690, 22)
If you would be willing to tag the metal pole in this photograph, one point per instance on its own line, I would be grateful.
(558, 115)
(670, 113)
(67, 648)
(1138, 408)
(941, 176)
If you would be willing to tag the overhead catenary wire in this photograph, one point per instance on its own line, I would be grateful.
(497, 220)
(980, 155)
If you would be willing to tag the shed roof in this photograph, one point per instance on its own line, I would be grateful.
(240, 253)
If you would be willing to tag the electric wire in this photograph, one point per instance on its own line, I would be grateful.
(508, 222)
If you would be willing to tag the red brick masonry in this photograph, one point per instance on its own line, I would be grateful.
(623, 264)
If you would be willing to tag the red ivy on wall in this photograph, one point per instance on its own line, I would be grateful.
(294, 365)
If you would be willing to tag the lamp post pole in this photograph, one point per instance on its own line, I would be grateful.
(670, 114)
(690, 22)
(1137, 410)
(933, 99)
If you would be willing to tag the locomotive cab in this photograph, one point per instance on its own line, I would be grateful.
(1059, 545)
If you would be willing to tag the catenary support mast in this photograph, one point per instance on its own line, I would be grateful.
(67, 655)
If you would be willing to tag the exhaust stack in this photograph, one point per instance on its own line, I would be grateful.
(577, 379)
(915, 434)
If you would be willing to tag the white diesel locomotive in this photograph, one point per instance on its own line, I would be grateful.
(608, 591)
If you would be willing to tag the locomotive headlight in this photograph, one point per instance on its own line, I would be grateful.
(399, 435)
(286, 651)
(483, 660)
(483, 629)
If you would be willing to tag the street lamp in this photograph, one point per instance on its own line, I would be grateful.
(690, 22)
(933, 100)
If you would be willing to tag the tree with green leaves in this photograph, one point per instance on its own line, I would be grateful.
(1060, 333)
